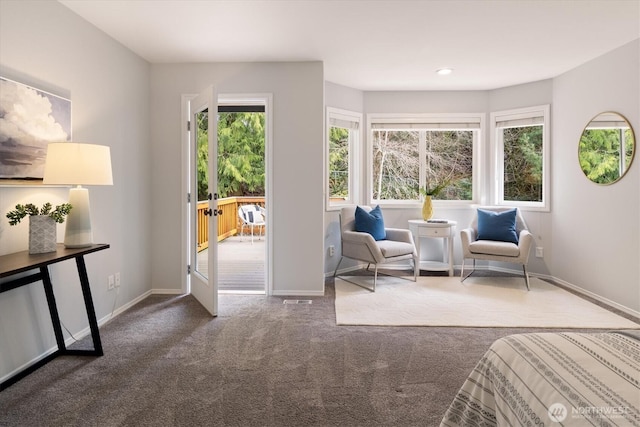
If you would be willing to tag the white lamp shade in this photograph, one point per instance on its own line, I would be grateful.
(70, 163)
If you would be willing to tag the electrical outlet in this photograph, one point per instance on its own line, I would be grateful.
(117, 280)
(539, 252)
(332, 250)
(111, 283)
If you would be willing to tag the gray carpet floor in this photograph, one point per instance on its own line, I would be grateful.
(259, 363)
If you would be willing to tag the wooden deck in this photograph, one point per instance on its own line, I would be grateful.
(240, 264)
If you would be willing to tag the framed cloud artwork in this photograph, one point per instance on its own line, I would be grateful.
(30, 119)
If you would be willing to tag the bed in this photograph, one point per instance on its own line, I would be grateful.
(570, 379)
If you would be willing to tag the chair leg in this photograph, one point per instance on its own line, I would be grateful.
(526, 276)
(335, 273)
(375, 277)
(462, 276)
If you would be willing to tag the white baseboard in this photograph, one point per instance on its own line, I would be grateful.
(577, 289)
(27, 364)
(165, 292)
(121, 310)
(300, 293)
(597, 297)
(87, 331)
(345, 270)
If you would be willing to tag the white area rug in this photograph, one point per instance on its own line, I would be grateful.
(477, 302)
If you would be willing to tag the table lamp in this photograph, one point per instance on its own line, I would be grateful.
(70, 163)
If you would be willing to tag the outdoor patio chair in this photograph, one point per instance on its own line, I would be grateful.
(251, 216)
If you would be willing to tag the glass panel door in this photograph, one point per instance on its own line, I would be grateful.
(204, 203)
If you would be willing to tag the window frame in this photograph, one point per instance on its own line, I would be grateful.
(434, 122)
(355, 138)
(519, 115)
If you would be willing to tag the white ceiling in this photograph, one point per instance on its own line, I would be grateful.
(377, 44)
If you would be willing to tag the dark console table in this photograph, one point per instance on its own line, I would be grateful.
(23, 262)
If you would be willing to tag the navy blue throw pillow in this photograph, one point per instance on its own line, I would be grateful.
(371, 222)
(499, 226)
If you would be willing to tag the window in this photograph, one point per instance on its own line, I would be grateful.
(521, 139)
(343, 139)
(411, 156)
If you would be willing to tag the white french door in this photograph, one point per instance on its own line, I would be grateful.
(203, 206)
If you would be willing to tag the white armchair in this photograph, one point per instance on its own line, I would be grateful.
(397, 246)
(495, 250)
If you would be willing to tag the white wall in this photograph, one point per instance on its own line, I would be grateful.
(346, 98)
(296, 204)
(596, 229)
(45, 45)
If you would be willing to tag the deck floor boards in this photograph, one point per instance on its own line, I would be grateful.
(240, 264)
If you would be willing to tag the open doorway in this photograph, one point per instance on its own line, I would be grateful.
(242, 192)
(242, 244)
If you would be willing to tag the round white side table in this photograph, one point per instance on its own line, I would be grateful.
(437, 229)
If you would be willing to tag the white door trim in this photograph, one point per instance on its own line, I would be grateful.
(185, 177)
(227, 98)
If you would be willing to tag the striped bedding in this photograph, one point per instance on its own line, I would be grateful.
(553, 379)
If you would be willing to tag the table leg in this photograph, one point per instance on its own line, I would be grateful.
(419, 240)
(53, 308)
(450, 257)
(88, 302)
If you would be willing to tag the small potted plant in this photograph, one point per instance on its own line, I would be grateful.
(42, 224)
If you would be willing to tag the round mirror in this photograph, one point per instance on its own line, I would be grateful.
(606, 148)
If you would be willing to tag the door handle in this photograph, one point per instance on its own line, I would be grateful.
(214, 212)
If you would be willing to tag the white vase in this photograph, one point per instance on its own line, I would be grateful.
(42, 234)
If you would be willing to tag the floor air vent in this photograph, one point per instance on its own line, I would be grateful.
(297, 301)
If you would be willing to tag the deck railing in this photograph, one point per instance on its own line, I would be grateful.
(228, 223)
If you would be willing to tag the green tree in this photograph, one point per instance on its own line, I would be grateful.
(523, 163)
(599, 154)
(338, 162)
(202, 154)
(240, 154)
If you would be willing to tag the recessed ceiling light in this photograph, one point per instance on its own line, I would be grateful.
(444, 71)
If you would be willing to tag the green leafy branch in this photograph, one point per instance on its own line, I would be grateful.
(434, 191)
(58, 214)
